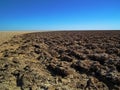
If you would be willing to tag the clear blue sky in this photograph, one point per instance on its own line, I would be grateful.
(59, 14)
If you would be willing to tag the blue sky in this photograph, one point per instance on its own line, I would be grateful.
(59, 14)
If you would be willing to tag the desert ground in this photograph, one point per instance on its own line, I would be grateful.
(60, 60)
(7, 35)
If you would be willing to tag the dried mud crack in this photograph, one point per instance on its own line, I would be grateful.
(71, 60)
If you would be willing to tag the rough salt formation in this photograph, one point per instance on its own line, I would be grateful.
(74, 60)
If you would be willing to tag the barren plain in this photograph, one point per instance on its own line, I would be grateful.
(61, 60)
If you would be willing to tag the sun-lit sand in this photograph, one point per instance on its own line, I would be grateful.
(5, 36)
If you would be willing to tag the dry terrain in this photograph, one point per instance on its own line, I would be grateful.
(7, 35)
(64, 60)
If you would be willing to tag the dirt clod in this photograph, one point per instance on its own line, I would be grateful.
(66, 60)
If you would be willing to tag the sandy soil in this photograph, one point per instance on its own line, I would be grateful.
(5, 36)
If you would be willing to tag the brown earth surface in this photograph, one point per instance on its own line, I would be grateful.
(7, 35)
(64, 60)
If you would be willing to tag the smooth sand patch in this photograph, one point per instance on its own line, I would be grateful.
(5, 36)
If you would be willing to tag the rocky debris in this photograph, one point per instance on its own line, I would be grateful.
(61, 61)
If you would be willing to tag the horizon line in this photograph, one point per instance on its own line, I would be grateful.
(61, 30)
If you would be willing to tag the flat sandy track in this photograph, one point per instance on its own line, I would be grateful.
(6, 35)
